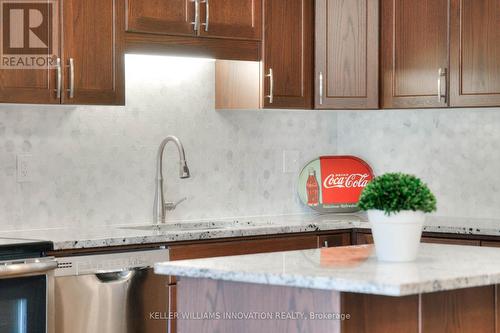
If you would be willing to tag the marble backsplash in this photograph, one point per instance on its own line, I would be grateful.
(456, 151)
(96, 165)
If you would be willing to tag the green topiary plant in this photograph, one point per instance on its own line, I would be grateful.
(394, 192)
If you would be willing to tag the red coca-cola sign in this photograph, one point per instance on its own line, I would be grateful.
(334, 183)
(343, 178)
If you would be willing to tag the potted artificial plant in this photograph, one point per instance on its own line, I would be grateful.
(396, 204)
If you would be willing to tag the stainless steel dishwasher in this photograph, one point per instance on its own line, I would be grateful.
(111, 293)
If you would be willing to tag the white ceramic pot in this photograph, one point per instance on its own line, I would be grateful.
(396, 236)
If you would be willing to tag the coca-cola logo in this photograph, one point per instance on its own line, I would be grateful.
(354, 180)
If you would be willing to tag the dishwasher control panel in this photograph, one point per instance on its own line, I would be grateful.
(109, 262)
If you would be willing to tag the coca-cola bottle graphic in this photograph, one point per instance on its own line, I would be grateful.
(312, 188)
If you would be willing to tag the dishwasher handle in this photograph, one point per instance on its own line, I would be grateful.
(27, 268)
(118, 275)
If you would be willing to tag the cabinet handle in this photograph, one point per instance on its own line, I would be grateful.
(169, 312)
(71, 89)
(442, 72)
(196, 22)
(207, 14)
(326, 243)
(271, 86)
(320, 88)
(59, 78)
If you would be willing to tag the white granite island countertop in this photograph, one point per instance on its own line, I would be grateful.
(438, 268)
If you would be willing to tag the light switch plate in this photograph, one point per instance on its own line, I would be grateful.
(24, 168)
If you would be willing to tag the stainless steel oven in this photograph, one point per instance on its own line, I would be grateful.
(26, 290)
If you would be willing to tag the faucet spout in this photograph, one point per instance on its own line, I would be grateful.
(159, 203)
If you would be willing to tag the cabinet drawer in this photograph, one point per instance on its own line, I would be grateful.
(450, 241)
(230, 248)
(490, 244)
(334, 240)
(362, 238)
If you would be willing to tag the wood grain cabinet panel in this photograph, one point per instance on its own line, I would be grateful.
(469, 310)
(230, 248)
(37, 85)
(414, 47)
(288, 53)
(364, 238)
(451, 241)
(475, 53)
(347, 47)
(343, 239)
(93, 38)
(236, 19)
(172, 17)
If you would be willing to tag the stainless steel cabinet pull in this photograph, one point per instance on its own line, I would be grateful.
(170, 312)
(207, 14)
(326, 244)
(196, 22)
(321, 88)
(442, 72)
(271, 86)
(71, 89)
(59, 78)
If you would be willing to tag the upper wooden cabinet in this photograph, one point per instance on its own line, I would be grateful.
(172, 17)
(93, 52)
(88, 64)
(413, 50)
(32, 84)
(288, 53)
(236, 19)
(475, 53)
(347, 54)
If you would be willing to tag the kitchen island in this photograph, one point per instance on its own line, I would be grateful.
(448, 289)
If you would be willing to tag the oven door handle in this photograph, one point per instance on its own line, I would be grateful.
(13, 270)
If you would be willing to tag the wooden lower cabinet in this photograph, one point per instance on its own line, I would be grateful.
(451, 241)
(490, 243)
(343, 239)
(240, 247)
(470, 310)
(363, 238)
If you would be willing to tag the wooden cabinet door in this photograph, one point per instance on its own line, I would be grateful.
(93, 32)
(414, 46)
(334, 240)
(170, 17)
(231, 248)
(450, 241)
(31, 84)
(288, 53)
(364, 238)
(237, 19)
(347, 34)
(28, 86)
(475, 53)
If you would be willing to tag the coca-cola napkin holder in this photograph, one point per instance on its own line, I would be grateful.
(333, 184)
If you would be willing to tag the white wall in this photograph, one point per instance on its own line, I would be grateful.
(96, 165)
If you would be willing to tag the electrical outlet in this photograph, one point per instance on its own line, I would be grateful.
(291, 161)
(24, 168)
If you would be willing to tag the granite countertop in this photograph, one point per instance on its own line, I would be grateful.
(438, 267)
(65, 238)
(92, 237)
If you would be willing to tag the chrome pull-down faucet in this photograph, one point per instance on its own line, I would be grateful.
(159, 205)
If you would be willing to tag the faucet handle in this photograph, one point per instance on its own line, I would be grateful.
(172, 205)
